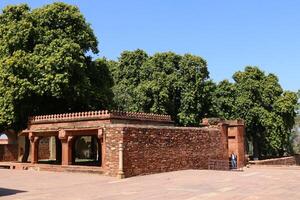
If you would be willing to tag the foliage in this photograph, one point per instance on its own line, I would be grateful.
(127, 76)
(164, 83)
(43, 64)
(268, 111)
(224, 96)
(295, 137)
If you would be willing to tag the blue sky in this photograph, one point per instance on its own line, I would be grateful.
(228, 34)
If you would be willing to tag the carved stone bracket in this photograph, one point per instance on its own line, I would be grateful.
(62, 135)
(70, 138)
(100, 133)
(32, 137)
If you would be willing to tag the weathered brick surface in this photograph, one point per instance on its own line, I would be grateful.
(9, 152)
(44, 150)
(236, 143)
(112, 137)
(151, 144)
(93, 118)
(292, 160)
(150, 150)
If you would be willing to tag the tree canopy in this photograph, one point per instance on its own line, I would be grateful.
(268, 111)
(165, 83)
(43, 64)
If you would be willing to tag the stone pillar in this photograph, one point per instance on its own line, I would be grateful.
(52, 148)
(66, 143)
(34, 143)
(224, 131)
(121, 172)
(101, 150)
(241, 146)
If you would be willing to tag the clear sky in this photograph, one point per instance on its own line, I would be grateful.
(228, 34)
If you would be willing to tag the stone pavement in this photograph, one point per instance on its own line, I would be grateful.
(254, 183)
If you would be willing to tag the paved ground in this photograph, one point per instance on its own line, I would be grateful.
(254, 183)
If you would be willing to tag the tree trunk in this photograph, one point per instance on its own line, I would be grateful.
(256, 153)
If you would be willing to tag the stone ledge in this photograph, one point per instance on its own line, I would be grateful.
(103, 114)
(291, 160)
(68, 128)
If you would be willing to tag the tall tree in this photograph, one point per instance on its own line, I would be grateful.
(224, 97)
(295, 139)
(165, 83)
(267, 110)
(44, 67)
(127, 76)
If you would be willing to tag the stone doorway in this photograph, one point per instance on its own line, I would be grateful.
(8, 146)
(49, 150)
(87, 150)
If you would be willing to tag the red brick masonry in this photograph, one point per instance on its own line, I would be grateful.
(9, 147)
(150, 150)
(291, 160)
(138, 143)
(9, 152)
(44, 151)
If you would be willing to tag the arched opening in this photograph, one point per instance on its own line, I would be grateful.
(8, 146)
(87, 151)
(3, 138)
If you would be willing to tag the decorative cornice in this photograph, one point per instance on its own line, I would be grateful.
(102, 114)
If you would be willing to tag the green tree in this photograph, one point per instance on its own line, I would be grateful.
(295, 137)
(268, 111)
(44, 67)
(127, 76)
(165, 83)
(224, 97)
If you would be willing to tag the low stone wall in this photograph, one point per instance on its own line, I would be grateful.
(292, 160)
(150, 150)
(155, 149)
(9, 152)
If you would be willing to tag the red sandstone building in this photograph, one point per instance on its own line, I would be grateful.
(122, 144)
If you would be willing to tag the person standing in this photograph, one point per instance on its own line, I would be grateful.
(233, 159)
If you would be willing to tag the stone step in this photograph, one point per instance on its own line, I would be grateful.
(53, 168)
(73, 169)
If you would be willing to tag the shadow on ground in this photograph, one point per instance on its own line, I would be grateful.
(7, 192)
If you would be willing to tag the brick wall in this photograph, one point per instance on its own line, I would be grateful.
(112, 136)
(44, 150)
(9, 152)
(150, 150)
(292, 160)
